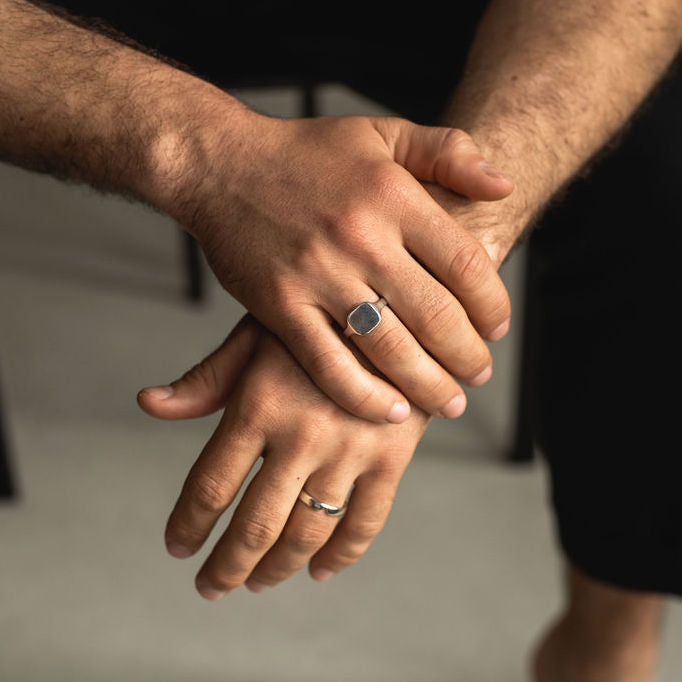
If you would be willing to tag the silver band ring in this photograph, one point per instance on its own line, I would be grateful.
(311, 502)
(364, 318)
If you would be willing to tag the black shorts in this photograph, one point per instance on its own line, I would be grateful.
(609, 373)
(608, 277)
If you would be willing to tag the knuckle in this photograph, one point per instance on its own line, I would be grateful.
(430, 390)
(311, 258)
(255, 535)
(254, 412)
(346, 555)
(202, 375)
(385, 184)
(455, 139)
(357, 234)
(480, 359)
(391, 468)
(361, 399)
(312, 433)
(393, 343)
(284, 294)
(361, 533)
(469, 265)
(329, 364)
(207, 492)
(440, 320)
(275, 575)
(222, 581)
(500, 308)
(305, 540)
(179, 530)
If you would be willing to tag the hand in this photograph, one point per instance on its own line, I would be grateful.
(495, 225)
(303, 219)
(272, 409)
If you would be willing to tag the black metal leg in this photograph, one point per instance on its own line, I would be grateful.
(7, 486)
(309, 104)
(522, 449)
(194, 269)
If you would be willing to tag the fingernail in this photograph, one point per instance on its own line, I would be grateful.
(492, 171)
(178, 551)
(455, 408)
(209, 593)
(481, 378)
(399, 413)
(255, 586)
(160, 392)
(321, 574)
(497, 333)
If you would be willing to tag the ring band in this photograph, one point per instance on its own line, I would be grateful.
(364, 318)
(315, 504)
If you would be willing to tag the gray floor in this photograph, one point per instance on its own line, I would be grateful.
(91, 309)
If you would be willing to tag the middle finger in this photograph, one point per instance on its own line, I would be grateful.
(255, 526)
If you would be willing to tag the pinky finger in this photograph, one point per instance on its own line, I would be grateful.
(368, 509)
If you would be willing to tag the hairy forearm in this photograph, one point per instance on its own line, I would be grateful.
(549, 82)
(79, 105)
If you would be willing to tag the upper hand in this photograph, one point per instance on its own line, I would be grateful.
(303, 219)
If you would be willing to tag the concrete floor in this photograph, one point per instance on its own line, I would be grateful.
(456, 588)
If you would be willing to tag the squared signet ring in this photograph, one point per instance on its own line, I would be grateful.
(364, 318)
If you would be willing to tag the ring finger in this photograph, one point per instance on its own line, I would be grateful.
(306, 531)
(394, 351)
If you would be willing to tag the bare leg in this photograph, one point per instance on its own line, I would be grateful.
(605, 634)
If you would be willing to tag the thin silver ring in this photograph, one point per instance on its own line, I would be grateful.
(365, 317)
(315, 504)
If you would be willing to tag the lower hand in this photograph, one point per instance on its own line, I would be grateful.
(272, 409)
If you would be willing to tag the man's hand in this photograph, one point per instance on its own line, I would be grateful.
(548, 83)
(272, 409)
(303, 219)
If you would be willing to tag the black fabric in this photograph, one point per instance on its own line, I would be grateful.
(408, 59)
(608, 366)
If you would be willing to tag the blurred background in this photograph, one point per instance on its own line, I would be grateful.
(92, 308)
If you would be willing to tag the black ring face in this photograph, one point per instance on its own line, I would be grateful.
(364, 318)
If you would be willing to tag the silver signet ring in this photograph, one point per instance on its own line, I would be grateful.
(364, 318)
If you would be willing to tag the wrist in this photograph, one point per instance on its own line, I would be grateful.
(503, 223)
(194, 124)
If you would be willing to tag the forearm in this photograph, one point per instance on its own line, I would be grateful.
(548, 83)
(84, 107)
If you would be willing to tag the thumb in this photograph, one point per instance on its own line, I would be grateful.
(204, 388)
(447, 156)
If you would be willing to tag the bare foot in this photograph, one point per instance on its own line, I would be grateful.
(546, 657)
(606, 634)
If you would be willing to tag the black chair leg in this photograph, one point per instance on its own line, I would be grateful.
(7, 486)
(523, 448)
(194, 269)
(309, 100)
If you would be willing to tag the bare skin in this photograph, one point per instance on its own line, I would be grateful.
(301, 220)
(604, 634)
(548, 84)
(272, 409)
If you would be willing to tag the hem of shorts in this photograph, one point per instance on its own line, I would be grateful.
(660, 573)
